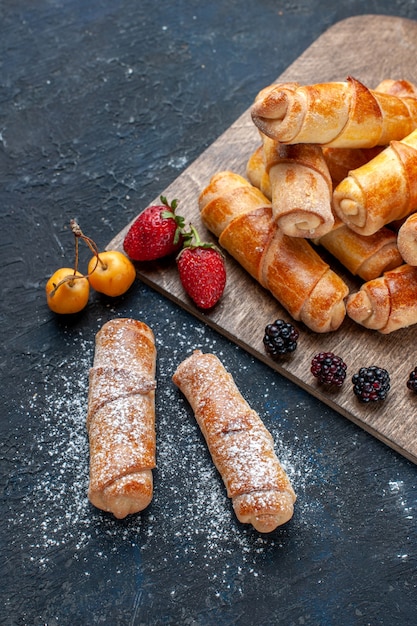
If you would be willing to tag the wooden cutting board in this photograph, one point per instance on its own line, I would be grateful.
(370, 48)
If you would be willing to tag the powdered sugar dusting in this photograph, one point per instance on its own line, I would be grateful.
(56, 507)
(190, 511)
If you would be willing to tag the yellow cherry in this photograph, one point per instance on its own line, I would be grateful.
(67, 291)
(111, 273)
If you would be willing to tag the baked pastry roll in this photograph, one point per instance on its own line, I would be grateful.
(289, 267)
(256, 172)
(365, 256)
(381, 191)
(398, 87)
(301, 188)
(340, 114)
(386, 303)
(240, 445)
(407, 239)
(341, 160)
(338, 160)
(228, 195)
(121, 417)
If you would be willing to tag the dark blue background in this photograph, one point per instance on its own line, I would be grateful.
(102, 105)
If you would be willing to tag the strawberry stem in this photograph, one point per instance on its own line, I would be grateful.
(171, 206)
(178, 219)
(192, 240)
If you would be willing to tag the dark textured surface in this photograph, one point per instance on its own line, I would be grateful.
(102, 105)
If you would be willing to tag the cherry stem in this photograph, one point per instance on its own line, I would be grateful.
(78, 234)
(67, 279)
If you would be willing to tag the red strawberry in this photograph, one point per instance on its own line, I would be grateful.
(202, 271)
(156, 233)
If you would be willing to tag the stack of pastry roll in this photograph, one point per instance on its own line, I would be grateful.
(241, 447)
(121, 417)
(339, 161)
(366, 257)
(364, 142)
(387, 301)
(368, 140)
(380, 191)
(241, 216)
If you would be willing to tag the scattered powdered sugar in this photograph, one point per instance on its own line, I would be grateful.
(190, 511)
(396, 487)
(56, 508)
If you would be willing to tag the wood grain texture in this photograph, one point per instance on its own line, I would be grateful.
(370, 48)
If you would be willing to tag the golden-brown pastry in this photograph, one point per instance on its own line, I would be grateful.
(338, 160)
(341, 160)
(288, 267)
(382, 190)
(218, 184)
(388, 302)
(256, 172)
(407, 239)
(365, 256)
(240, 445)
(301, 188)
(121, 417)
(227, 201)
(398, 87)
(340, 114)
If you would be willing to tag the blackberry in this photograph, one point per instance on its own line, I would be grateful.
(280, 338)
(412, 380)
(371, 384)
(329, 369)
